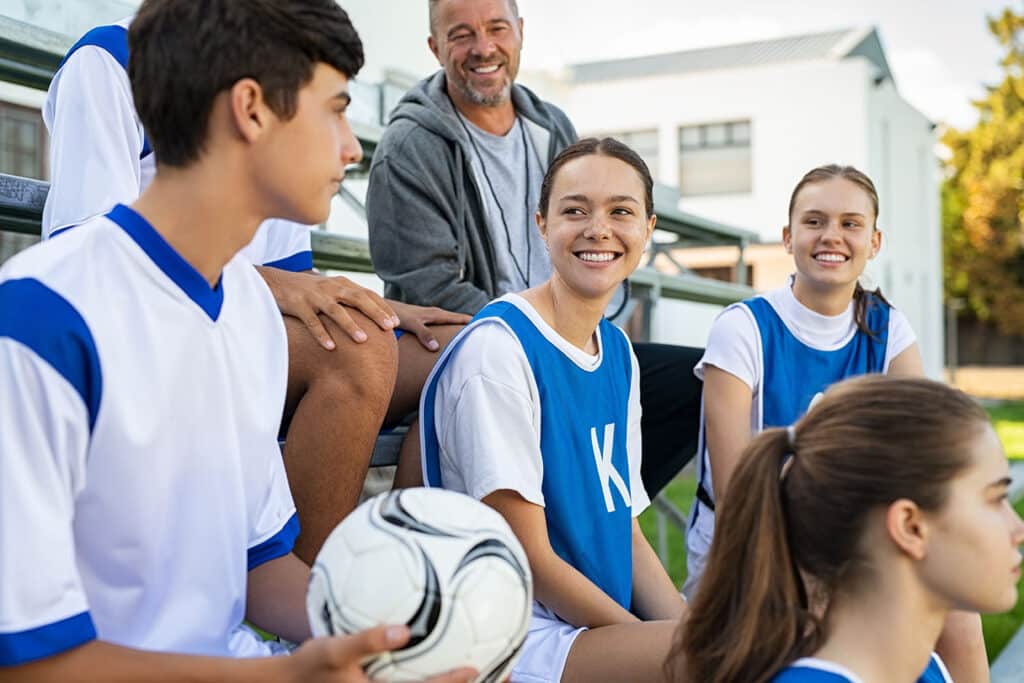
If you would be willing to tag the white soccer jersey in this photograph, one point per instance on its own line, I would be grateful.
(140, 476)
(99, 155)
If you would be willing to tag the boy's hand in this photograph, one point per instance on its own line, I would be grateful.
(307, 296)
(338, 659)
(416, 319)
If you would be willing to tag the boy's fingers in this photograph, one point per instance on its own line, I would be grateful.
(349, 326)
(317, 329)
(375, 640)
(457, 676)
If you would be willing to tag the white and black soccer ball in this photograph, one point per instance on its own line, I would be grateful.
(441, 562)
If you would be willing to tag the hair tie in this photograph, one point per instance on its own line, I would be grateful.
(790, 456)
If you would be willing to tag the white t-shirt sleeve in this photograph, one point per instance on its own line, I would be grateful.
(634, 443)
(95, 140)
(901, 336)
(488, 418)
(281, 244)
(733, 346)
(275, 524)
(44, 441)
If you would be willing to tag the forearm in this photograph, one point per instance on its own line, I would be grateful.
(572, 596)
(99, 662)
(654, 595)
(727, 405)
(276, 598)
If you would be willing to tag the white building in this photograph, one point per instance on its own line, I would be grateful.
(735, 127)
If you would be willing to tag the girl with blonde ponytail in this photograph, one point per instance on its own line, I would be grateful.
(859, 530)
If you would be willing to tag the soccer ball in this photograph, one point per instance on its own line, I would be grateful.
(441, 562)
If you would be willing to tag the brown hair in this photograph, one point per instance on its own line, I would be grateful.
(183, 53)
(609, 147)
(866, 444)
(821, 174)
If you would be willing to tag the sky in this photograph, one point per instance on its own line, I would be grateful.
(940, 51)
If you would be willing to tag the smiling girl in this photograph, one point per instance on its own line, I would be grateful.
(535, 410)
(768, 358)
(888, 515)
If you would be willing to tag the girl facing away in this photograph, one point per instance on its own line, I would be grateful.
(768, 358)
(535, 410)
(884, 508)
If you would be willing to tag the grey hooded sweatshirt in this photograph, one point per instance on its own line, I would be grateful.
(427, 223)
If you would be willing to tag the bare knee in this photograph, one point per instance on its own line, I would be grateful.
(352, 370)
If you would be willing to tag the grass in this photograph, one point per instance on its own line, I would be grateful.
(680, 492)
(1008, 418)
(998, 628)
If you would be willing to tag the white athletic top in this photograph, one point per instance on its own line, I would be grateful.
(734, 345)
(488, 414)
(140, 475)
(99, 154)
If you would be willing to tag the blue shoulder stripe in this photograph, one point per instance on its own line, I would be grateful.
(296, 263)
(276, 546)
(47, 640)
(114, 41)
(34, 315)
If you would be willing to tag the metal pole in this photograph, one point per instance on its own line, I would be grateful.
(659, 517)
(953, 306)
(741, 265)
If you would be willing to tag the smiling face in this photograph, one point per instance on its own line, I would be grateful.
(596, 225)
(302, 162)
(831, 233)
(478, 44)
(973, 558)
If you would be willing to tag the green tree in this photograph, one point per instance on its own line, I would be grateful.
(983, 194)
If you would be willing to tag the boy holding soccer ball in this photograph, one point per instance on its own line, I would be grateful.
(143, 501)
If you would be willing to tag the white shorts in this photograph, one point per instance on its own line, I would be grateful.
(548, 641)
(698, 543)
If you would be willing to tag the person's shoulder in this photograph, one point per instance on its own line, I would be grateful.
(108, 39)
(418, 123)
(488, 347)
(534, 107)
(737, 318)
(63, 258)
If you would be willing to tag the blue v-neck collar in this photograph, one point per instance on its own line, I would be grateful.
(169, 261)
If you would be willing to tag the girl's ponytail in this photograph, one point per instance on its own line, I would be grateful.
(795, 514)
(750, 614)
(862, 298)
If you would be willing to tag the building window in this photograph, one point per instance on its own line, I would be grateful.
(22, 142)
(714, 158)
(643, 142)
